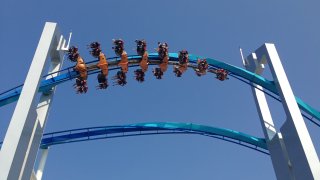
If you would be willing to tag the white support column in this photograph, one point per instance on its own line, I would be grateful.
(42, 163)
(43, 112)
(296, 143)
(24, 133)
(253, 65)
(278, 153)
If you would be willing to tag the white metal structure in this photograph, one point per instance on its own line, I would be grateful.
(292, 151)
(23, 136)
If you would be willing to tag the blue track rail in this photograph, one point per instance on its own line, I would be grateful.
(154, 128)
(68, 74)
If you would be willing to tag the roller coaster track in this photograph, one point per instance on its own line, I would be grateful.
(154, 128)
(67, 74)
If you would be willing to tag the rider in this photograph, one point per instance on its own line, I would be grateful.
(221, 74)
(81, 68)
(142, 51)
(164, 58)
(119, 50)
(183, 63)
(102, 64)
(202, 67)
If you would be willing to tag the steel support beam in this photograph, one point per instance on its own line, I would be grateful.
(22, 140)
(274, 141)
(42, 112)
(292, 151)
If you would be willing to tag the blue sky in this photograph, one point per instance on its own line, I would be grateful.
(206, 28)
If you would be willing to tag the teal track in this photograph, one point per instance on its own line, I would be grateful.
(152, 128)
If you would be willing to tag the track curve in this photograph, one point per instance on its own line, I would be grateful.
(68, 74)
(104, 132)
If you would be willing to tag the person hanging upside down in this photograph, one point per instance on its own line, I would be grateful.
(81, 68)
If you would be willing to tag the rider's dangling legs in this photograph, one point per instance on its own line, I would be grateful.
(121, 78)
(157, 73)
(102, 80)
(139, 75)
(81, 85)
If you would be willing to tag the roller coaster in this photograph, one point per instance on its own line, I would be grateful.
(214, 66)
(180, 61)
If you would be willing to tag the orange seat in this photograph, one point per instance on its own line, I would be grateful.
(164, 65)
(144, 62)
(183, 68)
(81, 68)
(124, 62)
(103, 64)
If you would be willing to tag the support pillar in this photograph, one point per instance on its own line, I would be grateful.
(42, 112)
(293, 144)
(274, 141)
(22, 140)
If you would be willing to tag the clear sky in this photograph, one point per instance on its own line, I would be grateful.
(207, 28)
